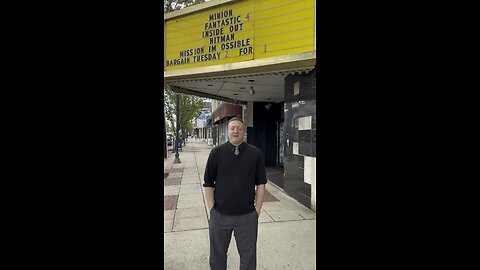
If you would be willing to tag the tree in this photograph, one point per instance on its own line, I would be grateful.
(190, 109)
(171, 5)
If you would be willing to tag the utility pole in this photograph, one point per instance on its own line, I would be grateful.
(177, 159)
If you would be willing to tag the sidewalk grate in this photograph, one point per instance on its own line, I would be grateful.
(170, 202)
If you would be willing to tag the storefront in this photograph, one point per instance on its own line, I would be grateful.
(220, 117)
(258, 57)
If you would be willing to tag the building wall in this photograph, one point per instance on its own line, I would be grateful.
(301, 138)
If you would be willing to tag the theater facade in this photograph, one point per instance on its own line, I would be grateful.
(260, 56)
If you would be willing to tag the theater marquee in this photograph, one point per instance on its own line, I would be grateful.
(238, 31)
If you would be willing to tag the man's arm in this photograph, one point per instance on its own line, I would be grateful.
(209, 178)
(259, 194)
(260, 181)
(209, 196)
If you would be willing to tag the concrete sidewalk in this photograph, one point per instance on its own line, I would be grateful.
(286, 233)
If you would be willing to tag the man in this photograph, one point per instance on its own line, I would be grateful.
(233, 170)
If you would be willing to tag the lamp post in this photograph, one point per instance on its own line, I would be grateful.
(177, 159)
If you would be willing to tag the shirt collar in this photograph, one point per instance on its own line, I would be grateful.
(241, 147)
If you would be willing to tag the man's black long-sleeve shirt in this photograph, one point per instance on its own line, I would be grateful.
(234, 177)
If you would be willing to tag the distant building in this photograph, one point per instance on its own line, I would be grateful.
(203, 128)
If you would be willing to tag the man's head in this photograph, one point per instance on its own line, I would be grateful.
(236, 131)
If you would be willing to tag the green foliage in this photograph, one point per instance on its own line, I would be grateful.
(190, 109)
(171, 5)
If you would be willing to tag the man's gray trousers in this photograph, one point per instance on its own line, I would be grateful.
(245, 228)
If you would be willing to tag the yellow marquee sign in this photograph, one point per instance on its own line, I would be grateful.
(239, 31)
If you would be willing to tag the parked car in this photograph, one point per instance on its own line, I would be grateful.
(169, 138)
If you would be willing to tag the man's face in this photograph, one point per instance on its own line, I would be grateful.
(236, 132)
